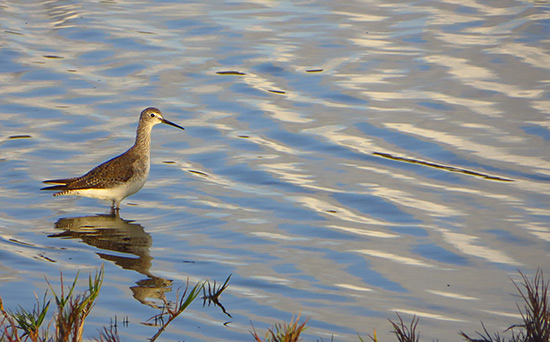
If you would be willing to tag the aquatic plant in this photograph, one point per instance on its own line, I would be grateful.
(69, 318)
(171, 311)
(535, 314)
(212, 295)
(108, 334)
(73, 308)
(403, 332)
(23, 324)
(282, 332)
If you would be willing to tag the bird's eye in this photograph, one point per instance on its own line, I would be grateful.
(152, 115)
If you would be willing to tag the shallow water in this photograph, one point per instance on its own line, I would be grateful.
(341, 160)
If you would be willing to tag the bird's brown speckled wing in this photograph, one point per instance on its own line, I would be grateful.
(111, 173)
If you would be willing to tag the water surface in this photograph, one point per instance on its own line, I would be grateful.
(341, 160)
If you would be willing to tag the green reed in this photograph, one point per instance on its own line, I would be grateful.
(72, 309)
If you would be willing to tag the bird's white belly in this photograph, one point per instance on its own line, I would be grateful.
(117, 193)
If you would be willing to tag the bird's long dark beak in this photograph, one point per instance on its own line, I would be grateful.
(171, 124)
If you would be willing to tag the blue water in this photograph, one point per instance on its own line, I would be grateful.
(369, 157)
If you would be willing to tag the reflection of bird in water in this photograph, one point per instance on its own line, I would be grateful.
(121, 176)
(112, 233)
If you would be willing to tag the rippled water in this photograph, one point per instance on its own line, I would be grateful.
(342, 160)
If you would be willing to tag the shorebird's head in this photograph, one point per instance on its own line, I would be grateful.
(152, 116)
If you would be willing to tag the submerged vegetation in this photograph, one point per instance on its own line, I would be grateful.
(72, 309)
